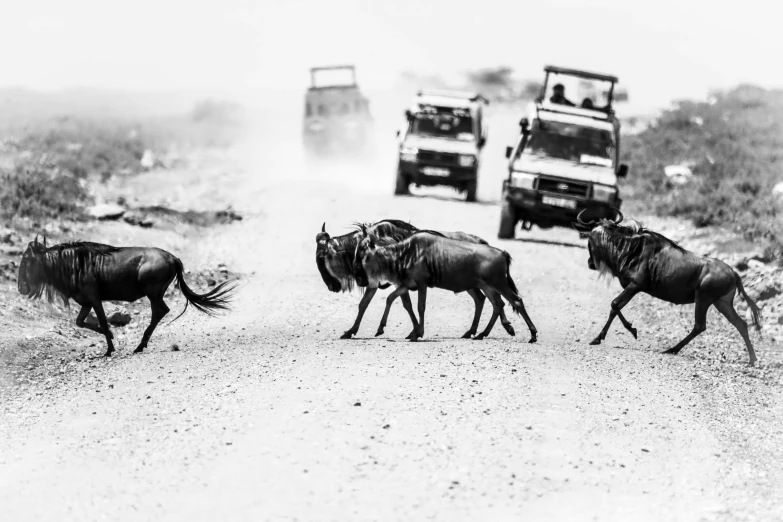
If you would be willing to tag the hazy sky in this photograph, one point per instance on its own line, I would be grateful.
(661, 50)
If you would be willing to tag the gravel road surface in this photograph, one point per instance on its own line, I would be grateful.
(265, 414)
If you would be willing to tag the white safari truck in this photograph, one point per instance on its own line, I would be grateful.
(441, 142)
(566, 159)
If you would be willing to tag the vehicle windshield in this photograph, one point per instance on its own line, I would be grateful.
(329, 109)
(449, 123)
(571, 142)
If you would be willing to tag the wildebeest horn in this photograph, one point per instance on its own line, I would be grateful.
(620, 216)
(323, 227)
(44, 239)
(35, 241)
(579, 218)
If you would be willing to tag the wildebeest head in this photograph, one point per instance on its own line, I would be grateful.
(592, 230)
(30, 280)
(323, 255)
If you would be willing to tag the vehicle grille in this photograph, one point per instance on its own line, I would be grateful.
(565, 188)
(437, 158)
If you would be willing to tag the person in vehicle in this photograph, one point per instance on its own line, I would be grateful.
(559, 96)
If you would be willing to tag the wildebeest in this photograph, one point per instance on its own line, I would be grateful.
(429, 259)
(90, 273)
(646, 261)
(335, 258)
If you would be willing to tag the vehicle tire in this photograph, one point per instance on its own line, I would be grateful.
(470, 191)
(508, 221)
(403, 183)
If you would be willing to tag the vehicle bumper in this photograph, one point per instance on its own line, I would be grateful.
(529, 206)
(457, 177)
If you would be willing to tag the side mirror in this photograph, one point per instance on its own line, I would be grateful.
(622, 171)
(509, 150)
(524, 124)
(398, 134)
(482, 141)
(408, 114)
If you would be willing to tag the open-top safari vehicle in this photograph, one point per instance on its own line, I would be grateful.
(441, 141)
(566, 159)
(337, 117)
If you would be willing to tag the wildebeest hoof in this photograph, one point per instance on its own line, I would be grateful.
(672, 351)
(468, 334)
(108, 353)
(347, 335)
(379, 332)
(595, 341)
(480, 337)
(533, 339)
(138, 349)
(633, 332)
(510, 330)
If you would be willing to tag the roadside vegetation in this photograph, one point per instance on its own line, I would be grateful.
(733, 145)
(46, 164)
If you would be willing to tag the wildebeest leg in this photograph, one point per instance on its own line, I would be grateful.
(400, 291)
(699, 326)
(422, 307)
(98, 307)
(504, 320)
(478, 299)
(159, 311)
(619, 302)
(497, 306)
(83, 313)
(516, 302)
(408, 305)
(366, 298)
(725, 305)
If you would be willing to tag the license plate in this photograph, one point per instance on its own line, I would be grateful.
(559, 202)
(435, 171)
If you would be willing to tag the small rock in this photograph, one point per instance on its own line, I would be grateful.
(358, 404)
(175, 347)
(119, 318)
(768, 291)
(386, 426)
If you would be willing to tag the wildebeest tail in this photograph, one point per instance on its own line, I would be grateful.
(216, 299)
(754, 309)
(508, 273)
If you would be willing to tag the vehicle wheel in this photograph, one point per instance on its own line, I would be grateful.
(403, 183)
(508, 221)
(470, 196)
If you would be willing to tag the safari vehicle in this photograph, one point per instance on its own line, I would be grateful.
(441, 142)
(337, 117)
(566, 159)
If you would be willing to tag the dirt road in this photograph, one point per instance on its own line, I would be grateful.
(266, 415)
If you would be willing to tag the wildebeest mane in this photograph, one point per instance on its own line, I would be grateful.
(64, 267)
(620, 246)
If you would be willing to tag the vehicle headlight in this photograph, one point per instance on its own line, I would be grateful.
(523, 180)
(604, 193)
(408, 155)
(467, 160)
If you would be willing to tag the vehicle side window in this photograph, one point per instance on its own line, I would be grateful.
(323, 110)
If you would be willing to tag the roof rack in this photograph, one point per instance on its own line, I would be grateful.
(463, 95)
(580, 74)
(351, 68)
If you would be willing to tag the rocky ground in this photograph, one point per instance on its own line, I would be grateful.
(265, 414)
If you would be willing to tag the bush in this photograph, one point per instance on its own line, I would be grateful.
(732, 143)
(34, 191)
